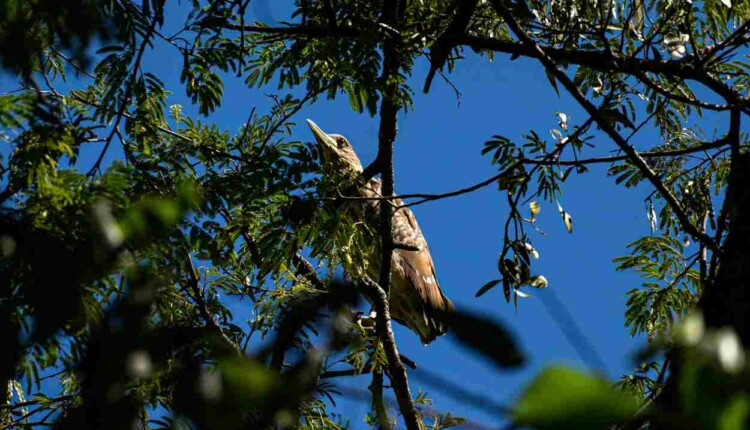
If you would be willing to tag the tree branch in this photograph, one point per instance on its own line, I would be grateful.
(386, 138)
(606, 126)
(396, 370)
(545, 161)
(680, 98)
(376, 388)
(128, 93)
(608, 62)
(603, 61)
(734, 139)
(194, 285)
(291, 31)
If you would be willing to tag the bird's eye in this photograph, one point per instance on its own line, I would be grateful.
(341, 142)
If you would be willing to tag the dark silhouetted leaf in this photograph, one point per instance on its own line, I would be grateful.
(486, 287)
(485, 336)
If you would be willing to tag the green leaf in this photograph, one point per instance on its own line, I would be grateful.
(534, 208)
(614, 116)
(564, 398)
(484, 336)
(735, 415)
(486, 287)
(552, 80)
(248, 379)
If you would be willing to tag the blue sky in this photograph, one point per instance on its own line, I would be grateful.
(438, 150)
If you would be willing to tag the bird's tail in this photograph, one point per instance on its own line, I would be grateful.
(433, 323)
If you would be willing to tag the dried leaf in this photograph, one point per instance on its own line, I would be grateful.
(534, 208)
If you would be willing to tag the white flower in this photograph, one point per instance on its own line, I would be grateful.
(652, 218)
(209, 385)
(676, 45)
(563, 120)
(599, 85)
(138, 364)
(728, 349)
(691, 329)
(533, 252)
(107, 224)
(557, 135)
(678, 51)
(539, 281)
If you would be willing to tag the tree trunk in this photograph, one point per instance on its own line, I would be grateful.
(725, 301)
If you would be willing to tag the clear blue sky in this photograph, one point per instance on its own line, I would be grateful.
(438, 150)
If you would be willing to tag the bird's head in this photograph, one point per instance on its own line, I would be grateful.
(335, 149)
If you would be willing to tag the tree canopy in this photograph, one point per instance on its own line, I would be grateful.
(116, 276)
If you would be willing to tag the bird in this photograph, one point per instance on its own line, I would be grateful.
(416, 299)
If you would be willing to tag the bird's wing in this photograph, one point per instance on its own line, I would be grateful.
(418, 265)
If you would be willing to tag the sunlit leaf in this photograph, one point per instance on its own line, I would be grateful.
(563, 398)
(535, 209)
(735, 415)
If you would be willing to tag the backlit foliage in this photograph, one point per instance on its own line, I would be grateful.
(128, 226)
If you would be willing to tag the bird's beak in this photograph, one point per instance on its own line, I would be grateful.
(326, 142)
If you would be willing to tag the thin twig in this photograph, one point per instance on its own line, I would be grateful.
(396, 370)
(544, 161)
(376, 388)
(128, 92)
(193, 284)
(606, 126)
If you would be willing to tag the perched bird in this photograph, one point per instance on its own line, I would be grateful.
(415, 296)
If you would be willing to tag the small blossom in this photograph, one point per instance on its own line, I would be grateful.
(729, 350)
(138, 364)
(676, 45)
(539, 281)
(209, 385)
(691, 329)
(110, 231)
(530, 249)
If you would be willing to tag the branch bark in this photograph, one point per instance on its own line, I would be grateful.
(376, 388)
(378, 294)
(193, 283)
(396, 369)
(544, 161)
(725, 299)
(606, 126)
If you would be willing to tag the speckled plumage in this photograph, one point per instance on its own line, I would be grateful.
(415, 293)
